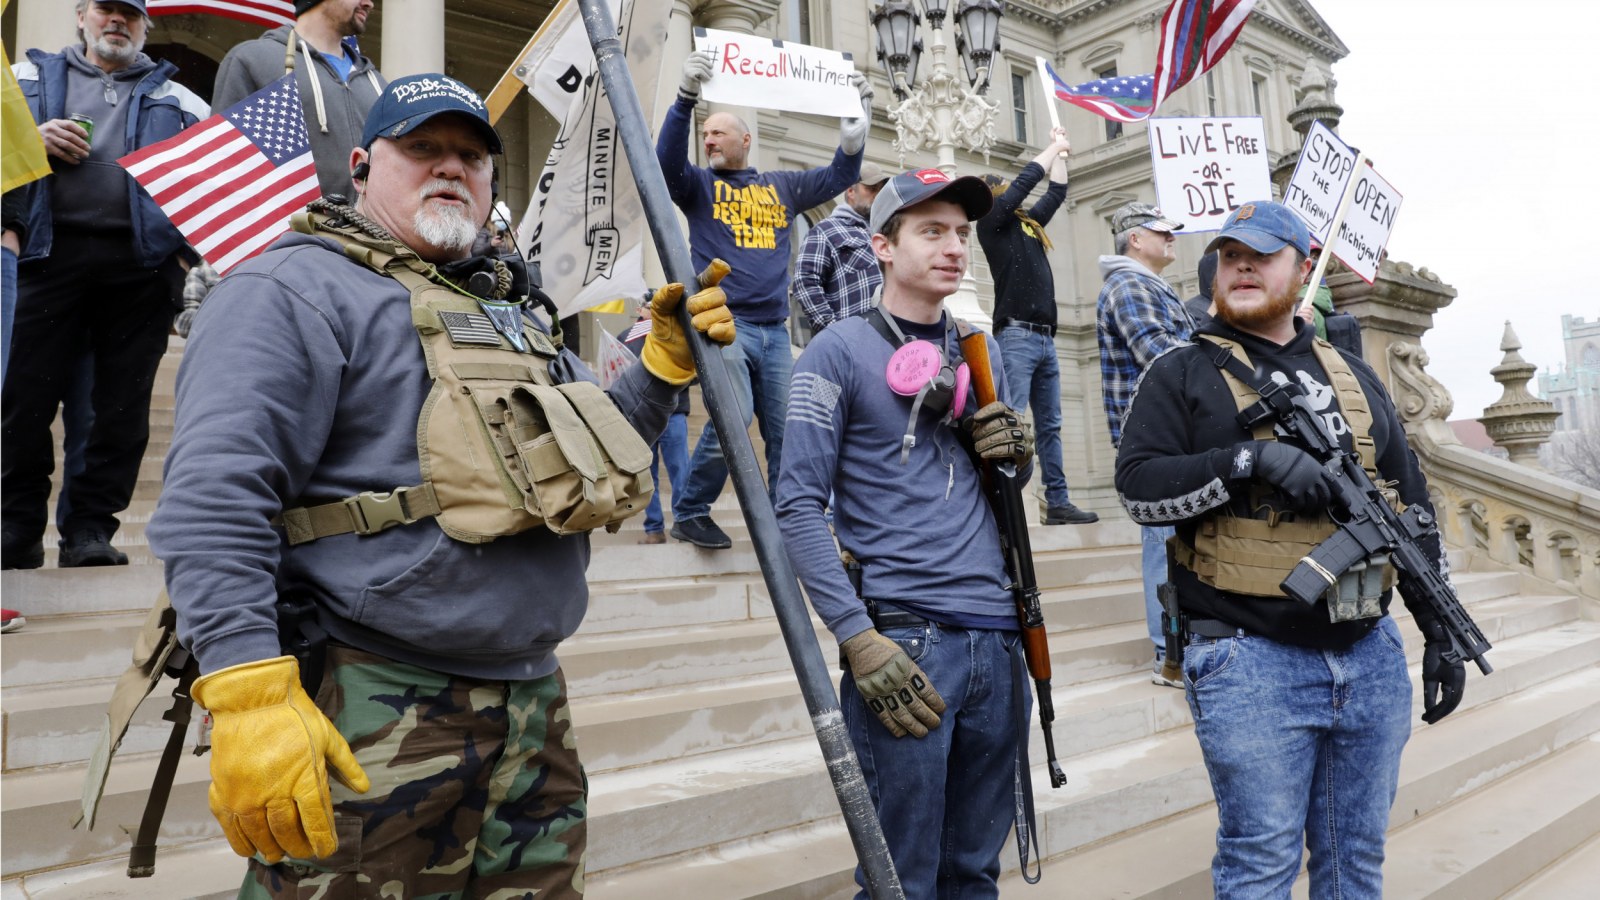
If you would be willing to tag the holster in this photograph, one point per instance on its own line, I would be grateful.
(302, 637)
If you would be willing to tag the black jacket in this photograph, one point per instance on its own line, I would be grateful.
(1024, 286)
(1176, 453)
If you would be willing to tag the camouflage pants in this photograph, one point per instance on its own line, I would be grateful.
(477, 791)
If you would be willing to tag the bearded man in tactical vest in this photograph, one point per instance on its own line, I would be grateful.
(1301, 710)
(373, 443)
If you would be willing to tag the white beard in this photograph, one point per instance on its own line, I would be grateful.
(447, 228)
(119, 54)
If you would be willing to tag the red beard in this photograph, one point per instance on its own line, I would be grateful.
(1257, 318)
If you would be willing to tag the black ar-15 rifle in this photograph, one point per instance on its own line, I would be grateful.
(1368, 525)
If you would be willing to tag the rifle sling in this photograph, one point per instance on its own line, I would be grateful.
(142, 856)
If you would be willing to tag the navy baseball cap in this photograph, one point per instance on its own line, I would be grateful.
(408, 102)
(907, 190)
(136, 4)
(1265, 227)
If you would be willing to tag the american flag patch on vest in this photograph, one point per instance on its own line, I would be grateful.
(469, 328)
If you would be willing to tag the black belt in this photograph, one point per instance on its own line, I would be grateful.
(886, 616)
(1034, 327)
(1214, 628)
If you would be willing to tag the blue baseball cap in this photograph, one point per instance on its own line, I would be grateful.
(1265, 227)
(408, 102)
(136, 4)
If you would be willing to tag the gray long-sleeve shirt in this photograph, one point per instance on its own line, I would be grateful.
(302, 382)
(923, 530)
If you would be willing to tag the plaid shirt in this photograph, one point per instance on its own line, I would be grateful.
(837, 272)
(1139, 318)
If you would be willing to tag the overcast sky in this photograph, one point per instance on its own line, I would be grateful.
(1477, 112)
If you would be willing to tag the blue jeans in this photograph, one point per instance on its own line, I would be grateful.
(759, 362)
(947, 801)
(1303, 748)
(1033, 379)
(671, 448)
(1153, 564)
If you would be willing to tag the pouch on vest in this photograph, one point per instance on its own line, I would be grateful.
(502, 447)
(1253, 554)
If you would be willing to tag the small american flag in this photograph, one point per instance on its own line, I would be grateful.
(470, 328)
(1194, 35)
(231, 182)
(271, 13)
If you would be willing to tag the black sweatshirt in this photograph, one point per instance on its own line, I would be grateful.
(1177, 451)
(1024, 286)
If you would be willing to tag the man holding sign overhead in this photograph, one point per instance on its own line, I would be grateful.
(743, 215)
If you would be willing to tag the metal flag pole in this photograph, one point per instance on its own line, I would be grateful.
(793, 618)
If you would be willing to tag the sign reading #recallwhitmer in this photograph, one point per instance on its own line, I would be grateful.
(747, 70)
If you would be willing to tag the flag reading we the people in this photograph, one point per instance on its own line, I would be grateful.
(270, 13)
(1194, 35)
(231, 182)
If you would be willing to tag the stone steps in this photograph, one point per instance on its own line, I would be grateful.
(1129, 808)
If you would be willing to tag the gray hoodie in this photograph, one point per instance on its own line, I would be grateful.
(336, 111)
(302, 382)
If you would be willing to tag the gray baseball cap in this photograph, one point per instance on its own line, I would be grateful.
(1142, 215)
(907, 190)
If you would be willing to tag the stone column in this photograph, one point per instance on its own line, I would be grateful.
(680, 40)
(1519, 422)
(45, 25)
(413, 37)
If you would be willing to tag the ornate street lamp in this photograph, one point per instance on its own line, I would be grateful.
(940, 111)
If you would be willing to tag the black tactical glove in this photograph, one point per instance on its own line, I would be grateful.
(1443, 682)
(1297, 476)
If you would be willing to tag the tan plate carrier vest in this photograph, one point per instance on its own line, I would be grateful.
(1254, 555)
(503, 448)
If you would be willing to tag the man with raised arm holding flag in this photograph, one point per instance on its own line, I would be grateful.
(743, 215)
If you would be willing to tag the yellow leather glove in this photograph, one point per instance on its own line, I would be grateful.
(894, 687)
(271, 749)
(666, 350)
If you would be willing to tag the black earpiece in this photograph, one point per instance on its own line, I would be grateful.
(359, 173)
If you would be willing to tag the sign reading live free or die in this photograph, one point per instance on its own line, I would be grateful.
(1205, 168)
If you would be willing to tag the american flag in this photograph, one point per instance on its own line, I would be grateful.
(231, 182)
(1194, 35)
(271, 13)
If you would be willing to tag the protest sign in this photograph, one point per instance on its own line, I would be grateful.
(1321, 180)
(1207, 168)
(747, 70)
(585, 226)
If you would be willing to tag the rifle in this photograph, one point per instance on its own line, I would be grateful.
(1005, 497)
(1368, 525)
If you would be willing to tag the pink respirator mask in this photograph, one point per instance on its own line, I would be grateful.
(918, 369)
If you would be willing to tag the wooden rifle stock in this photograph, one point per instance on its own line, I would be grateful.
(1005, 497)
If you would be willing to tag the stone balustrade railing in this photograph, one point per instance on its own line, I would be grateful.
(1516, 514)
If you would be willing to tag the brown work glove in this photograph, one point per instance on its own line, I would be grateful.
(1000, 434)
(666, 351)
(894, 687)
